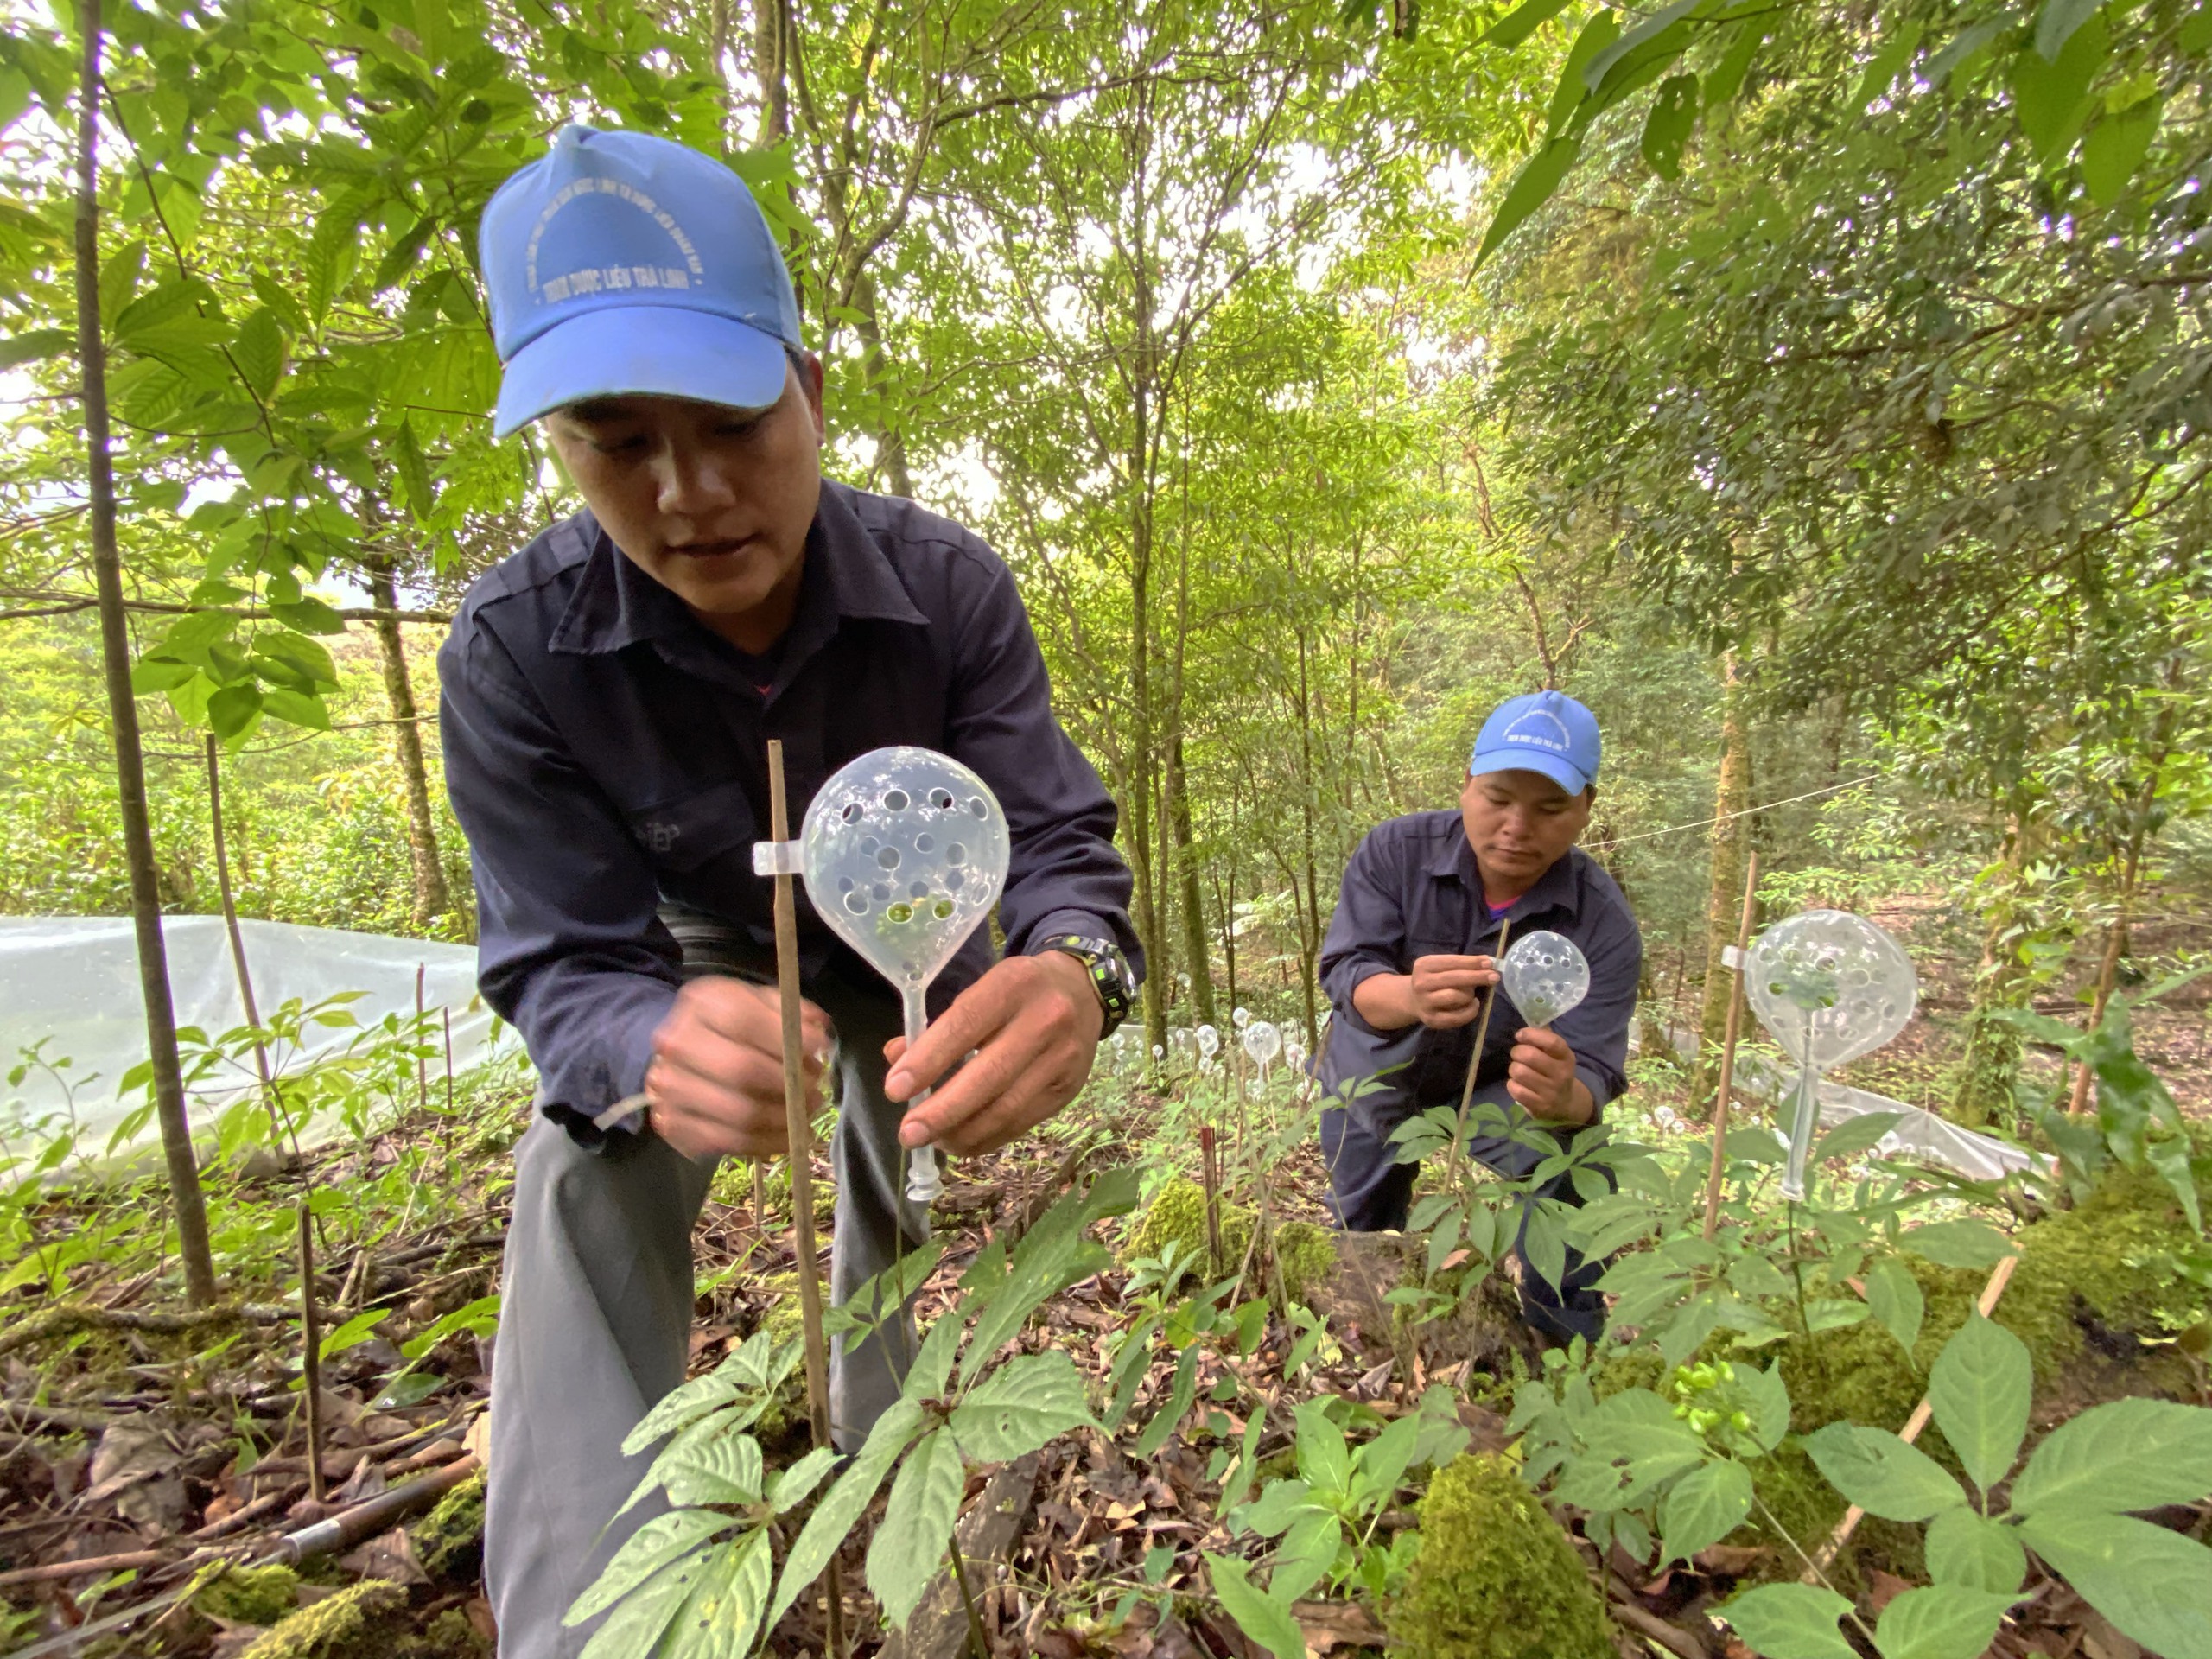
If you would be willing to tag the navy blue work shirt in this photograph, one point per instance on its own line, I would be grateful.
(1413, 890)
(606, 753)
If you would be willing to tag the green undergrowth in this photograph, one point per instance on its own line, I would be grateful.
(449, 1541)
(248, 1595)
(1495, 1577)
(356, 1622)
(1306, 1252)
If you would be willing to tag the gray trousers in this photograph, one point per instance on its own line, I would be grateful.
(596, 1321)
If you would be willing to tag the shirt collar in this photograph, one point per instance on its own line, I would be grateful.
(1558, 887)
(617, 604)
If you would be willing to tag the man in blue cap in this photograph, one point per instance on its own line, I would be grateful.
(1409, 958)
(608, 694)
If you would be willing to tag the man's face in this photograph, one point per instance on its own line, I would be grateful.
(713, 503)
(1520, 823)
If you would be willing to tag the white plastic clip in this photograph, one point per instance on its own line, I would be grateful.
(1732, 957)
(775, 858)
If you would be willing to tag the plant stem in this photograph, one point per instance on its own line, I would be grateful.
(1728, 1046)
(799, 1139)
(310, 1352)
(122, 701)
(976, 1639)
(1454, 1172)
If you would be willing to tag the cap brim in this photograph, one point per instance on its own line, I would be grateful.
(1561, 771)
(660, 350)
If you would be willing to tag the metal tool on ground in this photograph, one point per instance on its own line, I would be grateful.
(903, 852)
(1828, 987)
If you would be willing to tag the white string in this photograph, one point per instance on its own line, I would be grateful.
(1727, 818)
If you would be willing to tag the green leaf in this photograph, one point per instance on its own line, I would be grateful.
(355, 1331)
(1568, 95)
(2153, 1584)
(1702, 1508)
(2052, 98)
(1897, 1300)
(637, 1623)
(302, 656)
(2127, 1454)
(679, 1408)
(1980, 1387)
(2115, 148)
(1324, 1459)
(1883, 67)
(1266, 1622)
(308, 615)
(1646, 33)
(1855, 1135)
(34, 345)
(842, 1506)
(1667, 128)
(1941, 1621)
(644, 1552)
(1309, 1551)
(1958, 1244)
(2058, 20)
(723, 1613)
(232, 709)
(1621, 1463)
(789, 1488)
(1381, 1464)
(296, 709)
(258, 348)
(1179, 1396)
(1766, 1401)
(1727, 78)
(726, 1470)
(1053, 1254)
(1970, 1549)
(1131, 1360)
(1531, 188)
(1791, 1621)
(1020, 1406)
(1881, 1474)
(910, 1542)
(151, 674)
(1521, 22)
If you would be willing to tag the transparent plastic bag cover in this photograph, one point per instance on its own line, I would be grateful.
(903, 852)
(1829, 986)
(1545, 975)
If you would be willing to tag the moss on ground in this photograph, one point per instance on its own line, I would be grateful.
(1307, 1254)
(450, 1636)
(1495, 1578)
(355, 1622)
(449, 1541)
(248, 1595)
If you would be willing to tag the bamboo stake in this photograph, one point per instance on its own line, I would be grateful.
(1474, 1064)
(799, 1133)
(1213, 1196)
(1728, 1043)
(311, 1353)
(1999, 1276)
(421, 1065)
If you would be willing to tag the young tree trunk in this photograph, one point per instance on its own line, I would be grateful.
(1194, 920)
(433, 897)
(123, 707)
(2116, 936)
(771, 38)
(1725, 885)
(1982, 1086)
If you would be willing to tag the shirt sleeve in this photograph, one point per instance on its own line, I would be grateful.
(1065, 875)
(1597, 1027)
(1367, 936)
(570, 950)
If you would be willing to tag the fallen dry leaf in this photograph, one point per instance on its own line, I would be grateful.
(1328, 1625)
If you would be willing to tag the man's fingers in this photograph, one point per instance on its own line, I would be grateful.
(977, 1014)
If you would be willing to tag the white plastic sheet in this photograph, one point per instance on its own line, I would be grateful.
(73, 981)
(1920, 1135)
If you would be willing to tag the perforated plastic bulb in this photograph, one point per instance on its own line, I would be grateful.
(1209, 1041)
(1828, 986)
(1545, 974)
(903, 852)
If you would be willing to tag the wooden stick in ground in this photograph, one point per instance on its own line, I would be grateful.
(310, 1354)
(1999, 1276)
(1728, 1044)
(1452, 1172)
(800, 1133)
(1212, 1170)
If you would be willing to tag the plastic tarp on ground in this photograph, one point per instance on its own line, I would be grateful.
(73, 981)
(1920, 1134)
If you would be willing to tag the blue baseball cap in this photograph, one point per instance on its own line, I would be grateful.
(1547, 731)
(621, 262)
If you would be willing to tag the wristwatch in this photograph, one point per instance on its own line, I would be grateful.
(1109, 975)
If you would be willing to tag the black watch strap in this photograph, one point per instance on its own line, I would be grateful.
(1109, 975)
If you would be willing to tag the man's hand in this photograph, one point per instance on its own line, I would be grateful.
(1033, 1024)
(716, 1081)
(1442, 993)
(1541, 1077)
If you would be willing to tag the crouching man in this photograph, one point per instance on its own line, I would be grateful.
(609, 693)
(1410, 955)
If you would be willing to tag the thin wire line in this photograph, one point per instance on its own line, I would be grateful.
(1726, 817)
